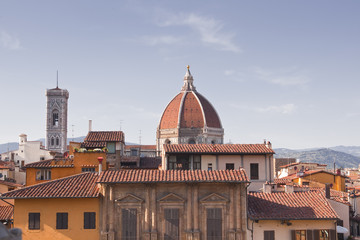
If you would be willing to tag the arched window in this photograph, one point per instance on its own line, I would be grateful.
(192, 141)
(57, 141)
(213, 142)
(167, 141)
(55, 118)
(52, 142)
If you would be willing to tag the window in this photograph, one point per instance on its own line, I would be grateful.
(269, 235)
(172, 163)
(89, 220)
(134, 152)
(42, 158)
(128, 224)
(57, 141)
(324, 235)
(254, 171)
(111, 147)
(230, 166)
(214, 223)
(197, 162)
(55, 118)
(210, 167)
(52, 142)
(171, 217)
(88, 169)
(192, 141)
(43, 174)
(61, 220)
(34, 221)
(300, 234)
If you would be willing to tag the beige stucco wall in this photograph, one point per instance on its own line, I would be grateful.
(206, 159)
(282, 231)
(342, 211)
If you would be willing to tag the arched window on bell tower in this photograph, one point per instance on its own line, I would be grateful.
(57, 141)
(55, 118)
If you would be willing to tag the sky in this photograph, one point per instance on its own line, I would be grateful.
(285, 71)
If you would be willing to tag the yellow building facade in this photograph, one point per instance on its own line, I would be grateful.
(66, 208)
(46, 170)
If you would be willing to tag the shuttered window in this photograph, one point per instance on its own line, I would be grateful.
(128, 223)
(34, 221)
(61, 220)
(269, 235)
(89, 220)
(254, 171)
(214, 223)
(171, 216)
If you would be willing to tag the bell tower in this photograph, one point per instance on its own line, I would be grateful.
(56, 119)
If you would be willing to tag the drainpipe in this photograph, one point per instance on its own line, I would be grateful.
(100, 159)
(247, 214)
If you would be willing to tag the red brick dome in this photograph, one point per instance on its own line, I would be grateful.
(189, 109)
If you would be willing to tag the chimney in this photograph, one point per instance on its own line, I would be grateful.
(289, 188)
(90, 125)
(100, 159)
(267, 187)
(327, 190)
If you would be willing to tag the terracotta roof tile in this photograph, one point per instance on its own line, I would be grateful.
(171, 176)
(105, 136)
(143, 147)
(6, 212)
(93, 144)
(77, 186)
(289, 206)
(52, 163)
(338, 196)
(282, 181)
(218, 148)
(212, 118)
(10, 184)
(170, 116)
(191, 112)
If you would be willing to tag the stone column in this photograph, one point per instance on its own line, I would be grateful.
(196, 235)
(147, 213)
(153, 213)
(188, 213)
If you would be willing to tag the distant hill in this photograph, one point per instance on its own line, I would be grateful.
(15, 145)
(322, 156)
(353, 150)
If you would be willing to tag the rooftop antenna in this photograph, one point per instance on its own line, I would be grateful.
(72, 131)
(121, 121)
(57, 78)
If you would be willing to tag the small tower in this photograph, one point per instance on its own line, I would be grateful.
(56, 119)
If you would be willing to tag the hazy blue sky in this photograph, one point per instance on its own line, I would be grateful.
(286, 71)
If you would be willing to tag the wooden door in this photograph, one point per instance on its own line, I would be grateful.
(128, 224)
(171, 216)
(214, 223)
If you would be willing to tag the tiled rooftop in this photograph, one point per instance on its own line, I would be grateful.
(6, 212)
(77, 186)
(289, 206)
(143, 147)
(218, 148)
(10, 184)
(171, 176)
(105, 136)
(52, 163)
